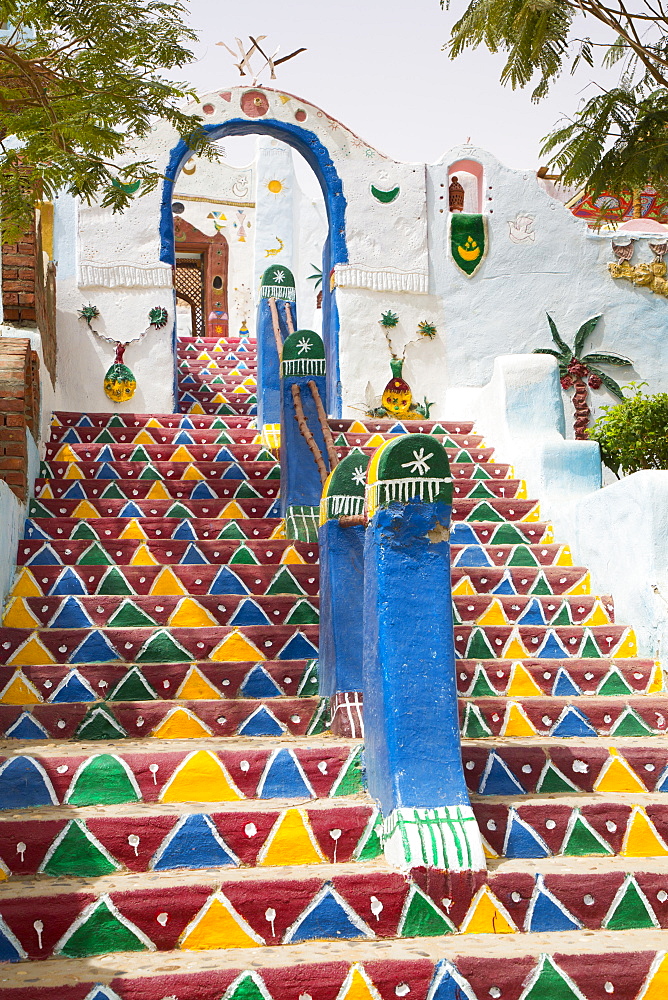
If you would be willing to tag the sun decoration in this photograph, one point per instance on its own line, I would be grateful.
(275, 186)
(157, 317)
(89, 313)
(426, 329)
(389, 319)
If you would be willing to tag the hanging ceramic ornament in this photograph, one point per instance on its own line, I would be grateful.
(119, 382)
(468, 241)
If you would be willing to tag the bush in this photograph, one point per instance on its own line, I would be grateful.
(633, 435)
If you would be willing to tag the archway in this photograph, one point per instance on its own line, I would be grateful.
(335, 249)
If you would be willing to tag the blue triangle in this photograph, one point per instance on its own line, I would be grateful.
(327, 919)
(188, 397)
(298, 648)
(192, 557)
(552, 648)
(187, 422)
(234, 472)
(546, 915)
(22, 784)
(662, 785)
(8, 950)
(573, 723)
(444, 985)
(71, 437)
(84, 421)
(275, 509)
(473, 555)
(67, 583)
(202, 492)
(73, 688)
(564, 685)
(249, 613)
(105, 454)
(227, 582)
(283, 779)
(224, 455)
(75, 492)
(189, 379)
(27, 727)
(31, 531)
(106, 472)
(95, 648)
(533, 614)
(506, 586)
(397, 429)
(194, 844)
(131, 510)
(522, 841)
(252, 410)
(185, 532)
(463, 534)
(499, 780)
(259, 684)
(71, 615)
(261, 723)
(183, 438)
(44, 557)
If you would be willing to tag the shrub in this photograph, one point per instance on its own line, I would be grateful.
(633, 435)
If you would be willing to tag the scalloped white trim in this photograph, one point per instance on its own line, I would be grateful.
(128, 275)
(387, 279)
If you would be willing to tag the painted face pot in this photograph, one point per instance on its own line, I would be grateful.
(119, 382)
(397, 396)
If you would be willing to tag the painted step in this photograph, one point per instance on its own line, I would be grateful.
(551, 642)
(269, 579)
(138, 552)
(197, 408)
(155, 435)
(533, 580)
(499, 532)
(503, 610)
(138, 838)
(535, 678)
(150, 489)
(458, 441)
(493, 509)
(372, 424)
(210, 376)
(153, 453)
(559, 717)
(174, 525)
(188, 771)
(550, 554)
(88, 682)
(67, 418)
(159, 470)
(461, 455)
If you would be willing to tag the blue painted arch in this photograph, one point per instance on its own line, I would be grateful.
(335, 250)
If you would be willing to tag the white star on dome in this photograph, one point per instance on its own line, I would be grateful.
(359, 475)
(304, 345)
(279, 277)
(421, 465)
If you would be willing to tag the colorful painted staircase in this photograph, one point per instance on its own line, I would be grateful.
(178, 824)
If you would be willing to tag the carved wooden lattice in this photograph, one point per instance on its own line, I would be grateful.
(189, 286)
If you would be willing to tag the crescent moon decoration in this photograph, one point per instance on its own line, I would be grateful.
(384, 197)
(128, 188)
(240, 189)
(189, 170)
(468, 241)
(468, 254)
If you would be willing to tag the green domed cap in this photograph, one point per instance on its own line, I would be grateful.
(303, 354)
(278, 282)
(343, 493)
(409, 466)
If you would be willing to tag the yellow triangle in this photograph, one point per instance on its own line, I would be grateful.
(153, 423)
(240, 390)
(73, 472)
(196, 408)
(20, 691)
(180, 724)
(489, 852)
(522, 684)
(494, 615)
(133, 530)
(291, 556)
(279, 530)
(375, 441)
(291, 842)
(201, 778)
(211, 364)
(232, 509)
(583, 586)
(656, 987)
(192, 473)
(31, 653)
(85, 509)
(514, 648)
(66, 454)
(46, 493)
(548, 535)
(641, 839)
(516, 722)
(190, 614)
(617, 776)
(142, 557)
(463, 587)
(204, 356)
(181, 455)
(284, 100)
(487, 916)
(534, 513)
(17, 615)
(357, 427)
(357, 986)
(55, 422)
(218, 399)
(195, 687)
(628, 646)
(218, 348)
(219, 926)
(25, 584)
(598, 616)
(564, 558)
(236, 648)
(158, 491)
(656, 682)
(166, 584)
(143, 438)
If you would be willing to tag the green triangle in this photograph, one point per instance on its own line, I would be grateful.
(308, 682)
(479, 648)
(507, 534)
(541, 587)
(150, 473)
(481, 687)
(551, 984)
(94, 556)
(103, 780)
(463, 456)
(129, 615)
(439, 429)
(246, 492)
(350, 781)
(480, 493)
(139, 455)
(38, 510)
(243, 555)
(449, 443)
(522, 556)
(614, 684)
(303, 613)
(204, 389)
(218, 379)
(45, 471)
(77, 854)
(265, 456)
(161, 648)
(483, 512)
(341, 441)
(252, 399)
(630, 724)
(370, 846)
(116, 421)
(83, 530)
(231, 530)
(456, 617)
(552, 780)
(422, 919)
(247, 989)
(226, 409)
(114, 584)
(105, 438)
(133, 687)
(217, 423)
(284, 583)
(590, 650)
(563, 616)
(101, 934)
(223, 439)
(583, 840)
(474, 726)
(630, 912)
(320, 719)
(113, 493)
(98, 724)
(480, 473)
(274, 473)
(178, 510)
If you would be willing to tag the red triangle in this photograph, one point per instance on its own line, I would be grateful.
(347, 823)
(36, 835)
(233, 829)
(180, 903)
(625, 970)
(57, 913)
(485, 973)
(113, 833)
(390, 889)
(286, 897)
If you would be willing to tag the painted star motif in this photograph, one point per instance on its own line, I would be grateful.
(279, 277)
(304, 345)
(359, 475)
(421, 465)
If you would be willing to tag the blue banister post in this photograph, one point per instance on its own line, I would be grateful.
(413, 754)
(341, 538)
(274, 324)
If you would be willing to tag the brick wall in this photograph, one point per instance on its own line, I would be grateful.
(19, 409)
(18, 279)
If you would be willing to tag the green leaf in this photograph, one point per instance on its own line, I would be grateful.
(548, 350)
(608, 382)
(561, 344)
(583, 333)
(607, 359)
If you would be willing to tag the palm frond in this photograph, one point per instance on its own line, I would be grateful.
(583, 333)
(617, 360)
(559, 341)
(608, 382)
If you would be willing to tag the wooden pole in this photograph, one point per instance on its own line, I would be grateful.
(288, 318)
(306, 433)
(276, 326)
(326, 433)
